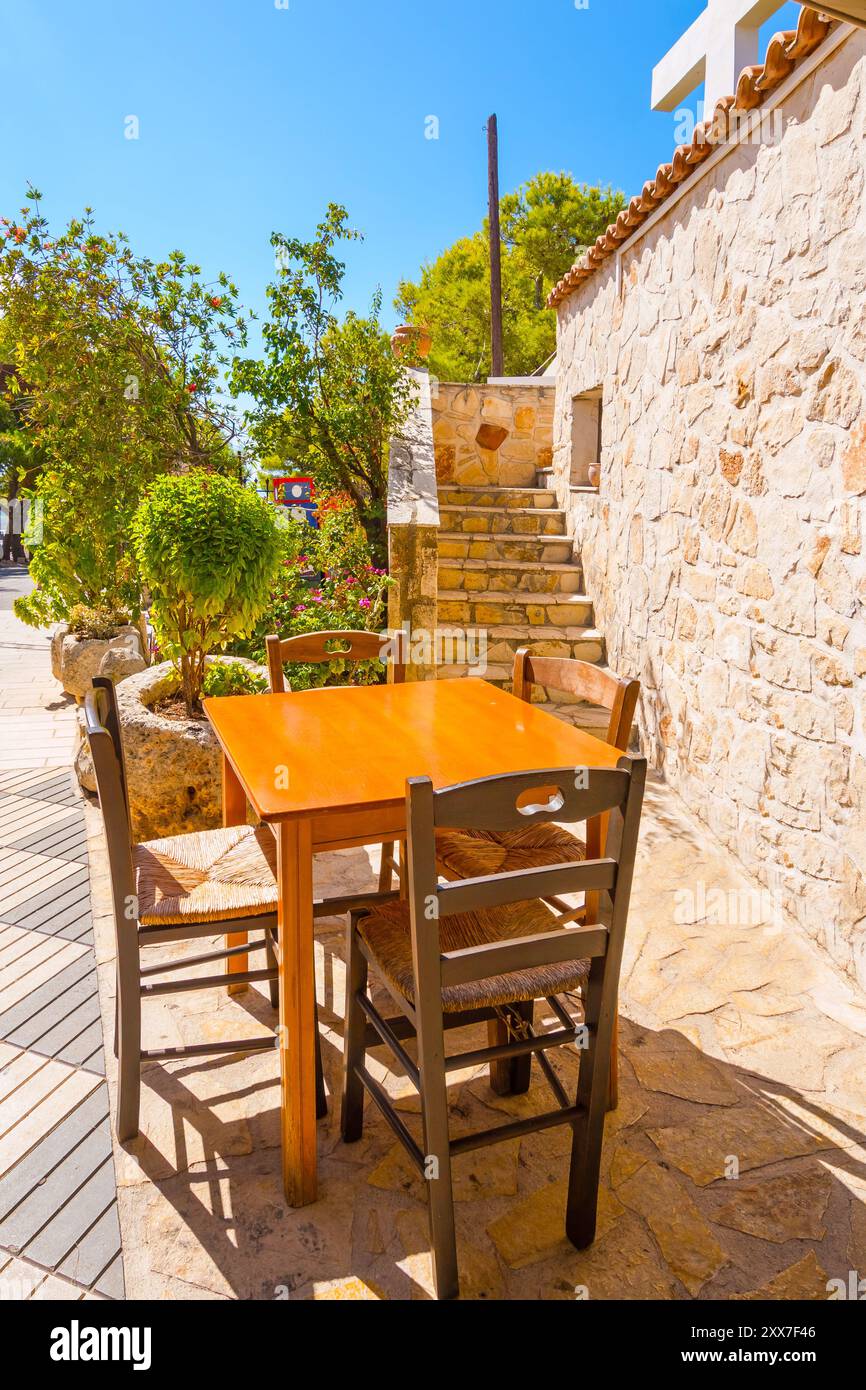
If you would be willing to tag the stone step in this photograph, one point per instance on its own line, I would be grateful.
(590, 719)
(503, 640)
(525, 612)
(509, 576)
(519, 521)
(459, 545)
(452, 495)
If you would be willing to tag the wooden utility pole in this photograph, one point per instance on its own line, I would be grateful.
(497, 368)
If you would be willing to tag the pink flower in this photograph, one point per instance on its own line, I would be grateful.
(300, 608)
(364, 603)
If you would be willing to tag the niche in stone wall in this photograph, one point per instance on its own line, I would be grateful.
(586, 410)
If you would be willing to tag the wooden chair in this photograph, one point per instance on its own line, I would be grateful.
(463, 952)
(316, 647)
(176, 889)
(468, 853)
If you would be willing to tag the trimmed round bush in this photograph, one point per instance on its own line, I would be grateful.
(208, 550)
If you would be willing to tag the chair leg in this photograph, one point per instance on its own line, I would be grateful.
(440, 1196)
(510, 1076)
(321, 1096)
(613, 1079)
(592, 1094)
(385, 870)
(116, 1012)
(274, 984)
(128, 1025)
(354, 1047)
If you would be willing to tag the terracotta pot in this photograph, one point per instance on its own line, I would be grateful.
(409, 334)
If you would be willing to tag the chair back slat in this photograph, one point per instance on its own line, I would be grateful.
(557, 794)
(586, 682)
(106, 750)
(313, 648)
(524, 953)
(520, 885)
(494, 803)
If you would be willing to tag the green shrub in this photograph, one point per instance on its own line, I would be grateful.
(101, 622)
(208, 549)
(326, 581)
(231, 678)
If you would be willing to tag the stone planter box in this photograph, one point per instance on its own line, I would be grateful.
(173, 766)
(76, 660)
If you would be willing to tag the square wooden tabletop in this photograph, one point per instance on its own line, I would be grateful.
(351, 748)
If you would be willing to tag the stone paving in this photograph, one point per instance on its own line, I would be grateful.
(735, 1165)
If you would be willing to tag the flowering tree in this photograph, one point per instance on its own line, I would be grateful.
(123, 359)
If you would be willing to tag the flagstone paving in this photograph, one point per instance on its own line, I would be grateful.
(735, 1165)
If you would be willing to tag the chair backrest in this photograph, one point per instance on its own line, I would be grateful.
(102, 724)
(584, 680)
(314, 647)
(505, 803)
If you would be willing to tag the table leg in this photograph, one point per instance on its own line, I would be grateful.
(297, 1033)
(234, 813)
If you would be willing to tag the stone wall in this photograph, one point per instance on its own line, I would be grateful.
(492, 433)
(413, 532)
(724, 547)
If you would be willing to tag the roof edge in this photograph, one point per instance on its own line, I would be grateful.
(786, 49)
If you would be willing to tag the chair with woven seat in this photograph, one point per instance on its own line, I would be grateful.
(178, 888)
(465, 853)
(316, 648)
(468, 853)
(467, 952)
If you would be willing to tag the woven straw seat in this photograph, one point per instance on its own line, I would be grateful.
(473, 853)
(387, 934)
(207, 876)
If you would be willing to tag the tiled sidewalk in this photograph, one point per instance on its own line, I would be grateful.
(59, 1233)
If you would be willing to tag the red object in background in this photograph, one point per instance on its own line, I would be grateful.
(290, 491)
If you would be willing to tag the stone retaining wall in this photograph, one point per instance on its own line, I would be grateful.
(470, 421)
(724, 548)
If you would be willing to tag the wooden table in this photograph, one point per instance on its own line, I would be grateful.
(327, 769)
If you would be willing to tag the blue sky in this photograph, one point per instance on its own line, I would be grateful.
(253, 117)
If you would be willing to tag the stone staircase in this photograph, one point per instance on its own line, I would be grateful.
(506, 568)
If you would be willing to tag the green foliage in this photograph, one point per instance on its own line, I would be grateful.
(100, 622)
(231, 678)
(551, 221)
(327, 581)
(329, 394)
(208, 550)
(545, 226)
(122, 359)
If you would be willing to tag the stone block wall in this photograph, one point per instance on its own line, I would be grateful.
(469, 421)
(724, 547)
(413, 534)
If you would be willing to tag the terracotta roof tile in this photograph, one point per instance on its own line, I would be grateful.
(783, 53)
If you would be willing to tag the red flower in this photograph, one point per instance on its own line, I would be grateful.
(192, 387)
(216, 301)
